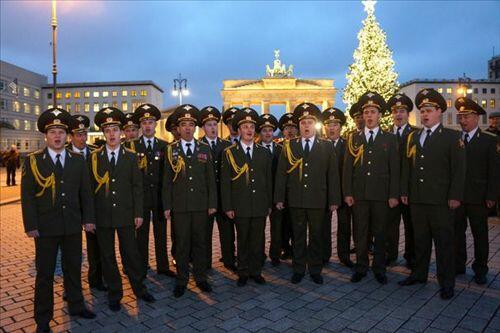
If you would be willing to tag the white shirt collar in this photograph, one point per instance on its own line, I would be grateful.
(367, 132)
(211, 140)
(116, 151)
(146, 141)
(53, 154)
(234, 137)
(185, 147)
(471, 133)
(433, 128)
(395, 129)
(311, 142)
(271, 145)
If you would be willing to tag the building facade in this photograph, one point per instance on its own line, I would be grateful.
(20, 105)
(484, 92)
(494, 68)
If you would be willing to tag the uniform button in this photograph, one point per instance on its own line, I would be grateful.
(369, 162)
(191, 189)
(150, 163)
(113, 180)
(216, 161)
(152, 185)
(62, 181)
(421, 156)
(305, 164)
(63, 194)
(150, 173)
(305, 175)
(190, 178)
(368, 174)
(253, 180)
(114, 205)
(421, 180)
(421, 168)
(305, 185)
(251, 169)
(63, 206)
(369, 151)
(253, 191)
(113, 192)
(189, 167)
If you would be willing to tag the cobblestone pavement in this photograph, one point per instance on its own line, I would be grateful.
(279, 306)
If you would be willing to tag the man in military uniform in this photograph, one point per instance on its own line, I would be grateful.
(227, 116)
(209, 119)
(289, 128)
(266, 126)
(131, 127)
(333, 120)
(400, 106)
(357, 116)
(494, 120)
(78, 134)
(246, 193)
(481, 189)
(171, 126)
(56, 202)
(151, 156)
(308, 177)
(432, 182)
(118, 198)
(371, 184)
(190, 196)
(11, 160)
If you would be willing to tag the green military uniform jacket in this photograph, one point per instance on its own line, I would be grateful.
(221, 145)
(371, 173)
(189, 183)
(118, 194)
(307, 182)
(434, 174)
(481, 179)
(152, 167)
(55, 207)
(247, 186)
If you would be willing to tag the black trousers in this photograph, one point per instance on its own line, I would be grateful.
(126, 237)
(307, 252)
(11, 175)
(393, 224)
(327, 235)
(434, 222)
(478, 221)
(46, 249)
(251, 242)
(191, 239)
(344, 223)
(275, 218)
(95, 276)
(226, 239)
(154, 215)
(286, 231)
(370, 218)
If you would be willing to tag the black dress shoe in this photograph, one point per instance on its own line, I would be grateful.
(480, 279)
(409, 281)
(381, 278)
(168, 273)
(275, 262)
(115, 306)
(42, 328)
(242, 281)
(356, 277)
(100, 287)
(347, 263)
(296, 278)
(148, 298)
(317, 278)
(204, 286)
(447, 293)
(179, 291)
(85, 314)
(231, 267)
(258, 279)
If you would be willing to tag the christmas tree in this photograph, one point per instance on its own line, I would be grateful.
(373, 67)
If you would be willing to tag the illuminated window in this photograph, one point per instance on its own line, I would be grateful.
(67, 95)
(76, 94)
(16, 123)
(86, 94)
(448, 103)
(124, 93)
(133, 93)
(68, 107)
(135, 105)
(440, 90)
(49, 106)
(59, 95)
(26, 92)
(449, 90)
(114, 93)
(450, 118)
(27, 125)
(27, 108)
(124, 106)
(492, 103)
(16, 106)
(105, 94)
(483, 103)
(37, 109)
(144, 93)
(59, 106)
(37, 94)
(77, 107)
(86, 107)
(96, 107)
(115, 104)
(96, 94)
(105, 104)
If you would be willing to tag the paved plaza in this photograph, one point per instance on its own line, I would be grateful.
(279, 306)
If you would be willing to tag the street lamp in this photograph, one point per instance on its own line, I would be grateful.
(465, 87)
(54, 53)
(180, 88)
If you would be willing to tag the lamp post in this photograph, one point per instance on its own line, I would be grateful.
(54, 53)
(180, 88)
(465, 86)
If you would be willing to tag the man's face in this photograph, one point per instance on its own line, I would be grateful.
(399, 117)
(430, 116)
(56, 138)
(468, 121)
(359, 121)
(247, 131)
(290, 132)
(266, 134)
(307, 127)
(186, 129)
(112, 134)
(210, 128)
(176, 133)
(332, 130)
(371, 116)
(148, 127)
(131, 133)
(231, 129)
(79, 139)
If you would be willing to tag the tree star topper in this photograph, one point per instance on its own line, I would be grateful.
(369, 6)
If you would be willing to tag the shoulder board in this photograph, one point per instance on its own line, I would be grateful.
(38, 152)
(489, 133)
(73, 152)
(258, 144)
(225, 141)
(202, 143)
(129, 150)
(97, 150)
(232, 146)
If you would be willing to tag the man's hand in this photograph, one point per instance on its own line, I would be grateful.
(211, 211)
(167, 214)
(138, 222)
(490, 203)
(349, 201)
(280, 206)
(89, 227)
(393, 202)
(453, 204)
(230, 214)
(404, 200)
(33, 234)
(333, 208)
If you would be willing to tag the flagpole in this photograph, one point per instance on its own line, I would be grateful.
(54, 53)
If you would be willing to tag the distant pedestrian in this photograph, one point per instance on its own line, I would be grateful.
(12, 163)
